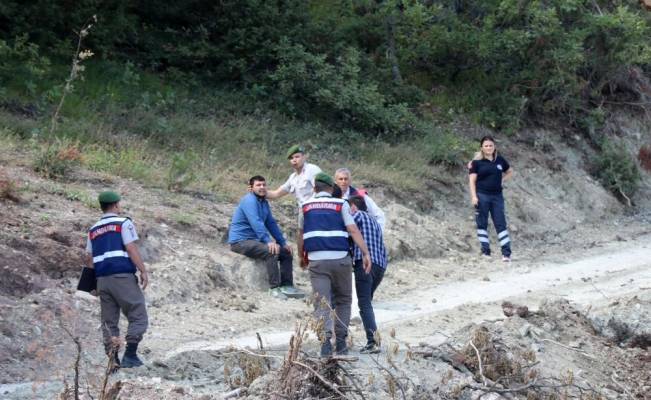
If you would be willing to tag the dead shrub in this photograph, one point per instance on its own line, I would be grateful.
(241, 369)
(58, 159)
(498, 364)
(644, 156)
(8, 188)
(303, 377)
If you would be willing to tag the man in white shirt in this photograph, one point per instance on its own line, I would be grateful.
(342, 179)
(301, 181)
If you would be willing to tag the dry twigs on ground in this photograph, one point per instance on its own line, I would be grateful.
(302, 377)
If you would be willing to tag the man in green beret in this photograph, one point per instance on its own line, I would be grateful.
(113, 254)
(301, 181)
(323, 236)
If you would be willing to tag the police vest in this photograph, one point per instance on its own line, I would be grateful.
(323, 226)
(109, 253)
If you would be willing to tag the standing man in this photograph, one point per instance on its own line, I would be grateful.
(327, 223)
(366, 283)
(342, 179)
(301, 181)
(249, 235)
(113, 254)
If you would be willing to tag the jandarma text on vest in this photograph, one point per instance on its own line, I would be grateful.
(105, 229)
(322, 206)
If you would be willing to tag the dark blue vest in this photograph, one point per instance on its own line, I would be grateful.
(323, 226)
(109, 253)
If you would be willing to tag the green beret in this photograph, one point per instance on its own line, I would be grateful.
(325, 178)
(108, 197)
(295, 149)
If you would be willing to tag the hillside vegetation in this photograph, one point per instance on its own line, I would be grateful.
(198, 95)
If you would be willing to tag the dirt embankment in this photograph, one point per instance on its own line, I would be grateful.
(203, 298)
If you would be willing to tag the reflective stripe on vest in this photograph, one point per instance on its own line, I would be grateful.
(323, 226)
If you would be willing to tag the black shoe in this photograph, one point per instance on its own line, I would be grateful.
(326, 349)
(370, 348)
(130, 361)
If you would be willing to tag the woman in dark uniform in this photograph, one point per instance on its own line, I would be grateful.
(487, 171)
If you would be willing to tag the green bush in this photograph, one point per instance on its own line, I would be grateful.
(307, 83)
(617, 170)
(57, 159)
(181, 173)
(444, 147)
(22, 66)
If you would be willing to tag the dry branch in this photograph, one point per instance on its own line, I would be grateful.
(481, 369)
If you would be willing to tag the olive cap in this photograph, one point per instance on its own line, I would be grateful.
(325, 178)
(295, 149)
(108, 197)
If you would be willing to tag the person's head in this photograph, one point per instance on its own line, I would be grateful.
(342, 178)
(323, 183)
(258, 185)
(357, 203)
(109, 201)
(487, 147)
(296, 156)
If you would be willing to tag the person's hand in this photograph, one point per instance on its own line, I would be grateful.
(366, 260)
(288, 248)
(475, 201)
(144, 279)
(304, 261)
(274, 248)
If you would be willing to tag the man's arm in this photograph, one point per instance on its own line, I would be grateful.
(277, 234)
(88, 254)
(299, 245)
(375, 211)
(88, 260)
(275, 194)
(356, 235)
(134, 255)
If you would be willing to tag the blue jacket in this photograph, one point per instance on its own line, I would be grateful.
(109, 253)
(252, 220)
(323, 227)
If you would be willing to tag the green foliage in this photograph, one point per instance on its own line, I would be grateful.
(131, 161)
(447, 148)
(512, 59)
(307, 83)
(57, 159)
(181, 171)
(22, 66)
(617, 170)
(500, 61)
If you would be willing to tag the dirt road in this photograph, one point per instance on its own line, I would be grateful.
(591, 279)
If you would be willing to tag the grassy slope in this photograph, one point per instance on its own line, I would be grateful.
(161, 133)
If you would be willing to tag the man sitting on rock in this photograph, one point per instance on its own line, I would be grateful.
(255, 234)
(113, 254)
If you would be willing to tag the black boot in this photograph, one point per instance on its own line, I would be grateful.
(130, 358)
(342, 347)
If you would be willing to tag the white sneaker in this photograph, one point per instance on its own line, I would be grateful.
(506, 259)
